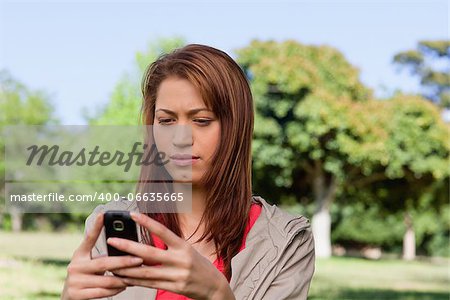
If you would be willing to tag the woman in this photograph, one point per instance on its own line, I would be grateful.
(233, 245)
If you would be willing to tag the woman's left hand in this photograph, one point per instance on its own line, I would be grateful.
(182, 270)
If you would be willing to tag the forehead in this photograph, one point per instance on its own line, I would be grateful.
(178, 93)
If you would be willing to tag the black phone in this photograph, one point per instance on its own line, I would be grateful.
(118, 223)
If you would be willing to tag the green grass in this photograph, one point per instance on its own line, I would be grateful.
(33, 266)
(355, 278)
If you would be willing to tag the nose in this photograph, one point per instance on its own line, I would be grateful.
(182, 136)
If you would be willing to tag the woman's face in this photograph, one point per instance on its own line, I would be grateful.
(183, 125)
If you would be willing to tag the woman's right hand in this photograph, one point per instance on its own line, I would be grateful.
(85, 276)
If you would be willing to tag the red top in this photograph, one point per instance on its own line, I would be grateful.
(255, 211)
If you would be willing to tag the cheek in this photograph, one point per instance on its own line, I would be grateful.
(161, 141)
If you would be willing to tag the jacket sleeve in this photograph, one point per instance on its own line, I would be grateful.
(295, 271)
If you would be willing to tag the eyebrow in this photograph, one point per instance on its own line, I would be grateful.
(190, 112)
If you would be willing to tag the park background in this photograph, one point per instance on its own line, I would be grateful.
(352, 125)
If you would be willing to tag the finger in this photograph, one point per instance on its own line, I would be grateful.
(169, 238)
(154, 273)
(92, 235)
(150, 255)
(106, 263)
(97, 281)
(91, 293)
(155, 284)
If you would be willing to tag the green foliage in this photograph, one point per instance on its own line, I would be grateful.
(431, 63)
(440, 244)
(419, 140)
(315, 120)
(366, 223)
(126, 99)
(305, 117)
(289, 67)
(374, 215)
(339, 132)
(20, 106)
(303, 97)
(363, 224)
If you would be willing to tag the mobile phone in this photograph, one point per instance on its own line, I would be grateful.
(118, 223)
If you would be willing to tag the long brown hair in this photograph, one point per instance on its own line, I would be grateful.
(225, 90)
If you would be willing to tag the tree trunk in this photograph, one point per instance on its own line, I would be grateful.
(409, 239)
(16, 219)
(321, 227)
(321, 222)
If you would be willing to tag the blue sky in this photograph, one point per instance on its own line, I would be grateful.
(77, 51)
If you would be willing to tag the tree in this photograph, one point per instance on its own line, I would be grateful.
(311, 117)
(418, 151)
(431, 63)
(20, 106)
(316, 123)
(125, 103)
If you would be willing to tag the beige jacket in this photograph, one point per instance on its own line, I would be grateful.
(277, 262)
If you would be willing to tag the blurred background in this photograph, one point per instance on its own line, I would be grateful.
(352, 123)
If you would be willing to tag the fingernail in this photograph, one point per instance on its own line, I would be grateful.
(112, 241)
(133, 214)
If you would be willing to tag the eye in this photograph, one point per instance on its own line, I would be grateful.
(163, 121)
(202, 122)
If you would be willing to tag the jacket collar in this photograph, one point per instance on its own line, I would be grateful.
(266, 244)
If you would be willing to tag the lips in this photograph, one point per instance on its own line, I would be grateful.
(180, 156)
(183, 160)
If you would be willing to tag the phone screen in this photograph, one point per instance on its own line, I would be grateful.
(118, 223)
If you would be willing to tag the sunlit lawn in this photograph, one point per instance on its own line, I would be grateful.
(32, 266)
(354, 278)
